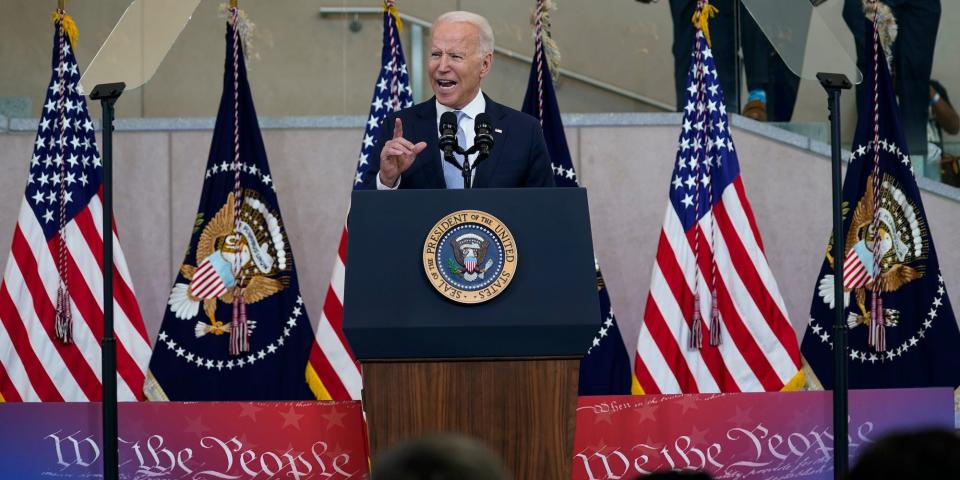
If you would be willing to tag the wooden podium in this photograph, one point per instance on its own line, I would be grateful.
(504, 371)
(522, 409)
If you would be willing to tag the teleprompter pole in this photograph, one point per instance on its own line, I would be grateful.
(108, 94)
(833, 83)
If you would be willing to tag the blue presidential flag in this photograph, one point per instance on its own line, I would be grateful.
(235, 327)
(902, 329)
(605, 369)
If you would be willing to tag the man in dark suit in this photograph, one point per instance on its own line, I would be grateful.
(461, 53)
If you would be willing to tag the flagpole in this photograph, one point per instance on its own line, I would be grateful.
(833, 83)
(108, 94)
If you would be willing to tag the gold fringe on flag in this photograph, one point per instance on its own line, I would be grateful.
(316, 385)
(67, 25)
(248, 31)
(886, 26)
(796, 383)
(700, 18)
(391, 6)
(550, 48)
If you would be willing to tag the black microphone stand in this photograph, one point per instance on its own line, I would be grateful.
(466, 169)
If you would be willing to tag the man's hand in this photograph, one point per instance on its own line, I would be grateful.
(397, 155)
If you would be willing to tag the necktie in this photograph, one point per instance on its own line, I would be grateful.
(451, 174)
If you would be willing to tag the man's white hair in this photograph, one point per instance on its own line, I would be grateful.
(483, 26)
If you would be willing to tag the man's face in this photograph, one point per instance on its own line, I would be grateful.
(456, 65)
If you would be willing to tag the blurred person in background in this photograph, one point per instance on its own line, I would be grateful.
(676, 475)
(757, 53)
(916, 34)
(926, 454)
(441, 456)
(943, 118)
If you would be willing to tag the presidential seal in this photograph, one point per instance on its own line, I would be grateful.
(469, 256)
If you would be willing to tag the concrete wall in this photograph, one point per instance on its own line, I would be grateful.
(625, 161)
(316, 66)
(313, 65)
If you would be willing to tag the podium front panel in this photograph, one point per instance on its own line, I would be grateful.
(549, 309)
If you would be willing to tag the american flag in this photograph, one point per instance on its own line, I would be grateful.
(710, 253)
(332, 371)
(59, 230)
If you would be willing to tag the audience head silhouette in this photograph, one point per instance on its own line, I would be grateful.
(439, 457)
(676, 475)
(927, 454)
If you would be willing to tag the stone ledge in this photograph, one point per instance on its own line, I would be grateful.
(575, 120)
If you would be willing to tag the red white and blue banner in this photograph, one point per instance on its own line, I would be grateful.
(782, 435)
(178, 440)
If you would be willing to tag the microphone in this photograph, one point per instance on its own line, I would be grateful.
(448, 133)
(483, 139)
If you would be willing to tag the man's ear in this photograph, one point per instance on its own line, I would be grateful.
(486, 64)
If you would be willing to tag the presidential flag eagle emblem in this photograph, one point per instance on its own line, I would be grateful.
(900, 240)
(253, 256)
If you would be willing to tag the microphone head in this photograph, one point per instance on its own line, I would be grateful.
(448, 124)
(482, 123)
(448, 132)
(483, 128)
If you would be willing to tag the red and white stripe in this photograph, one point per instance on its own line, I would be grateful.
(206, 282)
(330, 356)
(855, 274)
(761, 354)
(34, 366)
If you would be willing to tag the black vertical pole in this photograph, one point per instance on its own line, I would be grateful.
(108, 94)
(738, 63)
(833, 83)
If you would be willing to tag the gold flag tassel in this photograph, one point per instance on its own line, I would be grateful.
(66, 23)
(886, 25)
(250, 35)
(391, 6)
(550, 48)
(700, 18)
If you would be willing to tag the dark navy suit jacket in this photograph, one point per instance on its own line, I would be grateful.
(519, 156)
